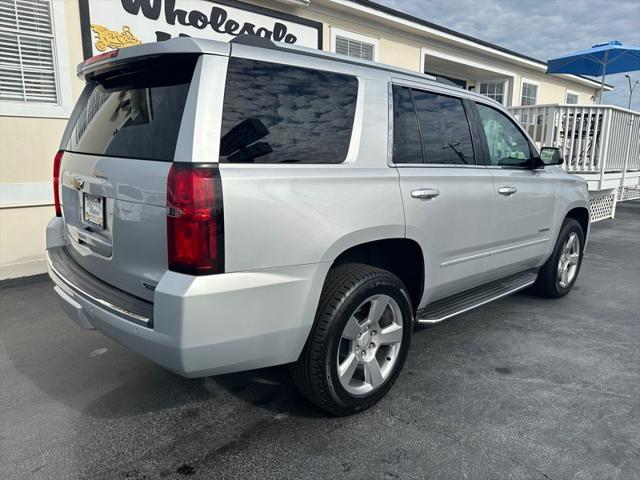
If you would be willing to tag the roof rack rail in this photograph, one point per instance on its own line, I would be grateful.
(254, 41)
(446, 81)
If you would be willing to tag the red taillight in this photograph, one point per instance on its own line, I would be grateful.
(57, 160)
(101, 56)
(195, 235)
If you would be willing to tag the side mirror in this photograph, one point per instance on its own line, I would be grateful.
(550, 156)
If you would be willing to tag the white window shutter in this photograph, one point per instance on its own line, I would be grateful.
(354, 48)
(27, 59)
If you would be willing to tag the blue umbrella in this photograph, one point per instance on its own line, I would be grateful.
(598, 61)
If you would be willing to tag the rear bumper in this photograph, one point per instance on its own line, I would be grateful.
(205, 325)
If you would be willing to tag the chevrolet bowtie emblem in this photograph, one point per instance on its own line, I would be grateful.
(77, 183)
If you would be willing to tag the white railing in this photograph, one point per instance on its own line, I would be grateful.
(593, 138)
(598, 142)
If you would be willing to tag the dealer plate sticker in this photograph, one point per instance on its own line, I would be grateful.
(93, 211)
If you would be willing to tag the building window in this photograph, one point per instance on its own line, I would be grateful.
(31, 57)
(354, 48)
(529, 94)
(493, 90)
(27, 57)
(572, 98)
(354, 45)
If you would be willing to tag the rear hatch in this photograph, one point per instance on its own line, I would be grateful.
(113, 175)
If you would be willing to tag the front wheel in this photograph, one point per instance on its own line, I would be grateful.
(559, 273)
(359, 341)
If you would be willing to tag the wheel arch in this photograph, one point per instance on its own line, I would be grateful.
(401, 256)
(581, 215)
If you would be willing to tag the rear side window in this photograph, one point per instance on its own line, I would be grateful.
(280, 114)
(446, 137)
(430, 128)
(134, 112)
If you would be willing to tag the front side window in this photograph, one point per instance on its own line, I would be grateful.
(529, 94)
(280, 114)
(446, 138)
(406, 133)
(508, 146)
(494, 90)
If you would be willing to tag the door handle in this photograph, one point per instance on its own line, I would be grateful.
(425, 193)
(507, 191)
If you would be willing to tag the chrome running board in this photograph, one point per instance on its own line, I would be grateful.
(476, 297)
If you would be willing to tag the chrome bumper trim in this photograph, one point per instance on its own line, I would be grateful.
(131, 316)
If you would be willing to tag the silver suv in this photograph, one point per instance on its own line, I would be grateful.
(224, 207)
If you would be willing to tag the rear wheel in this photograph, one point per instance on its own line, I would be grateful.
(359, 341)
(559, 273)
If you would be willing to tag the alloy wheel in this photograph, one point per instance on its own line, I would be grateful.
(569, 260)
(370, 345)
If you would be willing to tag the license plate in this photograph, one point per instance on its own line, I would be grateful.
(93, 210)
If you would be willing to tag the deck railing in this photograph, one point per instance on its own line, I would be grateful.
(598, 142)
(591, 137)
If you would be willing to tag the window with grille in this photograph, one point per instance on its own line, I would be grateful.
(27, 58)
(572, 98)
(354, 48)
(529, 94)
(493, 90)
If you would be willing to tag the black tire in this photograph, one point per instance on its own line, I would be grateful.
(548, 284)
(315, 373)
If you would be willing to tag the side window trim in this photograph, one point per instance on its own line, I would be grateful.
(477, 135)
(485, 144)
(415, 111)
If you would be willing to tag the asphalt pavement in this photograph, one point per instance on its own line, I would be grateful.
(521, 388)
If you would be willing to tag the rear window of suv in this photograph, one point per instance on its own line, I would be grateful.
(134, 111)
(281, 114)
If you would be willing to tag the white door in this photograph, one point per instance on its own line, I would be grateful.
(447, 197)
(525, 197)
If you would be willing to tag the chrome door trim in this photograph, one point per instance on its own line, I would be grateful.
(436, 165)
(494, 252)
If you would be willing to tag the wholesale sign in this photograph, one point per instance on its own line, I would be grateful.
(110, 24)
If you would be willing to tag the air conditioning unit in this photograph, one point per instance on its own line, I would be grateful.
(297, 3)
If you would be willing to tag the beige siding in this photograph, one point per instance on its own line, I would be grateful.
(27, 148)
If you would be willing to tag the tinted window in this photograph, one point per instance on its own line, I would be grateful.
(135, 112)
(406, 135)
(446, 137)
(507, 144)
(280, 114)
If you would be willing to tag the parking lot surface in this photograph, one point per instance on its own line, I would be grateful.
(521, 388)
